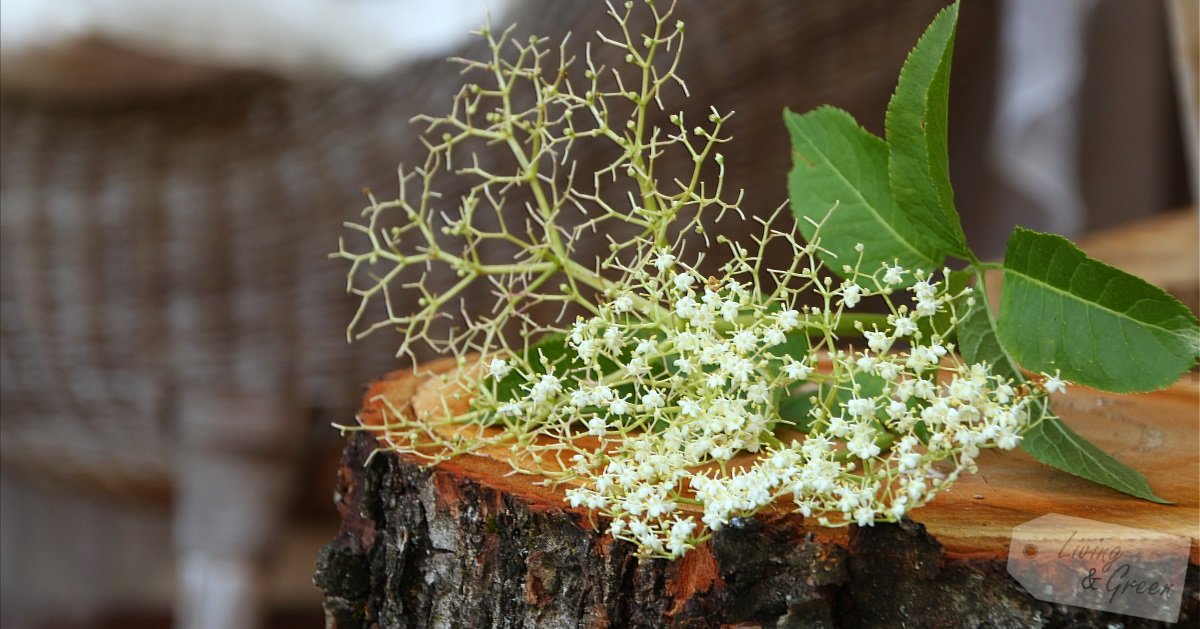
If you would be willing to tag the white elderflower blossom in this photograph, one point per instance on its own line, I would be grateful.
(1054, 384)
(652, 400)
(797, 371)
(684, 281)
(861, 407)
(498, 368)
(902, 325)
(596, 426)
(851, 294)
(878, 341)
(789, 319)
(893, 275)
(717, 379)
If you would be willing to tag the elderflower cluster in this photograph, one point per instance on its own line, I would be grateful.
(679, 398)
(665, 399)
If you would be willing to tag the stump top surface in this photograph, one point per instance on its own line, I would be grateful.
(1157, 434)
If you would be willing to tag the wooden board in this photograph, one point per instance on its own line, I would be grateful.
(1156, 433)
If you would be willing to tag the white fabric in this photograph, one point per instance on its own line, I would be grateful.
(289, 37)
(1034, 142)
(1183, 17)
(218, 593)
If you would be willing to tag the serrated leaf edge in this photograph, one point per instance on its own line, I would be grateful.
(789, 115)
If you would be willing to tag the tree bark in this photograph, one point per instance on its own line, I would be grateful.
(463, 545)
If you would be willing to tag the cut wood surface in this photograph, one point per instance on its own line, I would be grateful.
(1156, 433)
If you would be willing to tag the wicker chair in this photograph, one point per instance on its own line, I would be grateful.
(170, 316)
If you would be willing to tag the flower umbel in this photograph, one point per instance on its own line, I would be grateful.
(667, 400)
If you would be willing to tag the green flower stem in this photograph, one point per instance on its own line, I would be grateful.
(848, 324)
(980, 281)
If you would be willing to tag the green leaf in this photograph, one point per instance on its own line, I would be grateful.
(550, 354)
(1054, 444)
(794, 410)
(791, 410)
(795, 344)
(837, 163)
(1100, 326)
(916, 122)
(977, 340)
(1050, 441)
(869, 386)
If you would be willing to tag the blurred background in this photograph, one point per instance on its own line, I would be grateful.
(175, 173)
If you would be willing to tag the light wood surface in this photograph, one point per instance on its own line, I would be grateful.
(1156, 433)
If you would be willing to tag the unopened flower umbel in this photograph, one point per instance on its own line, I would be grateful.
(668, 400)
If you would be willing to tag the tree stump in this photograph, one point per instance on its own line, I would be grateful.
(466, 544)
